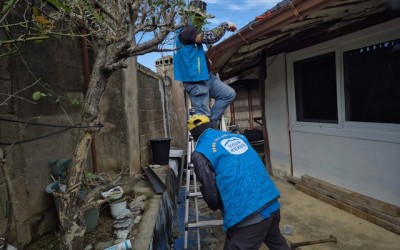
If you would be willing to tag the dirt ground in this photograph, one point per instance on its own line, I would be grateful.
(103, 233)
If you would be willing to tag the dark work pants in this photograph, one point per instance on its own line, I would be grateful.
(251, 237)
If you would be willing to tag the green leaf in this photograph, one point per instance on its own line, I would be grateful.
(75, 103)
(39, 41)
(36, 95)
(60, 5)
(90, 175)
(7, 6)
(36, 11)
(58, 100)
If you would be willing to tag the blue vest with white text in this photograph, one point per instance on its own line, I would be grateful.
(241, 177)
(190, 63)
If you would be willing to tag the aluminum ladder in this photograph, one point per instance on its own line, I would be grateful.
(192, 191)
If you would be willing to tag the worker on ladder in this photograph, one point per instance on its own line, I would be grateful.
(193, 68)
(241, 189)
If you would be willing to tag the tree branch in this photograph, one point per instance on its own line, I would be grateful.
(18, 40)
(19, 91)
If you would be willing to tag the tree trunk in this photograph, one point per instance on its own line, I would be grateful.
(71, 217)
(71, 213)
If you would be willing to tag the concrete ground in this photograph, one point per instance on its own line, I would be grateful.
(313, 219)
(307, 219)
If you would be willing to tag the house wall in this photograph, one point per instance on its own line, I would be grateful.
(361, 157)
(364, 166)
(276, 111)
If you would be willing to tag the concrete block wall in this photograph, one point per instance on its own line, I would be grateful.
(111, 150)
(175, 100)
(151, 114)
(5, 86)
(27, 163)
(132, 113)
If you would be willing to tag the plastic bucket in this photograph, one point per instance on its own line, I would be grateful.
(160, 150)
(125, 245)
(118, 207)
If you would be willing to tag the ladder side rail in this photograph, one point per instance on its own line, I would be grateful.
(196, 194)
(187, 191)
(196, 204)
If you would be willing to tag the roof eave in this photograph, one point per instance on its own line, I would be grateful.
(286, 14)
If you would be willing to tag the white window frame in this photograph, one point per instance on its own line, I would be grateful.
(365, 130)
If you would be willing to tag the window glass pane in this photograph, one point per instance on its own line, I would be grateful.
(315, 89)
(372, 83)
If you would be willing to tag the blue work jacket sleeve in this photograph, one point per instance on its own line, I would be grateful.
(206, 176)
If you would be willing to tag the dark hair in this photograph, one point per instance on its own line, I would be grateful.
(197, 131)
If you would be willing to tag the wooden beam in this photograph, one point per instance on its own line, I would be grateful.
(361, 199)
(262, 80)
(340, 198)
(354, 211)
(293, 179)
(250, 106)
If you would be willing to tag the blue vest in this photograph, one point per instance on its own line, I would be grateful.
(241, 177)
(190, 63)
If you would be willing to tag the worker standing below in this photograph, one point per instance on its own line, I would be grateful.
(234, 180)
(193, 68)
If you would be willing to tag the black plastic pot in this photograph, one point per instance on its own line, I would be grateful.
(160, 150)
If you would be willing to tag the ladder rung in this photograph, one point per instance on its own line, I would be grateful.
(205, 223)
(195, 194)
(191, 186)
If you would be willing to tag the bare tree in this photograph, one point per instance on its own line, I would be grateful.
(114, 29)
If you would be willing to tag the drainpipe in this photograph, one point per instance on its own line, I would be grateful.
(165, 84)
(262, 77)
(86, 74)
